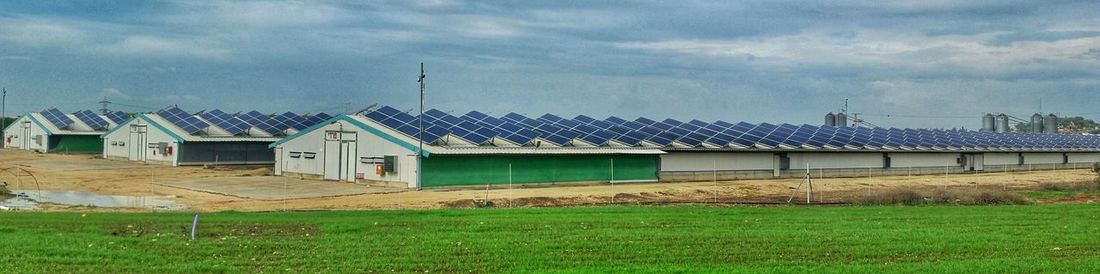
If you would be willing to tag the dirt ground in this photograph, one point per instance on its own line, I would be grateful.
(88, 173)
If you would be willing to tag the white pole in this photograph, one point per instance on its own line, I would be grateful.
(714, 168)
(612, 179)
(509, 184)
(810, 187)
(420, 137)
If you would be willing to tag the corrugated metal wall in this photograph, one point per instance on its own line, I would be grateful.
(452, 170)
(226, 152)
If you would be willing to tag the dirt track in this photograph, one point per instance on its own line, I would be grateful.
(86, 173)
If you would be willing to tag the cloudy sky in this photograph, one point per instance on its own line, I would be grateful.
(932, 63)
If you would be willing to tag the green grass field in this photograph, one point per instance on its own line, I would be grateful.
(1037, 238)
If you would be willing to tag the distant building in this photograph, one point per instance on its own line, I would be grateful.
(52, 131)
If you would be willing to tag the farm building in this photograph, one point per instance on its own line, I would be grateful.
(381, 148)
(52, 131)
(175, 137)
(478, 149)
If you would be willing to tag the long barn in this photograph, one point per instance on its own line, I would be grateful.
(53, 131)
(176, 137)
(477, 149)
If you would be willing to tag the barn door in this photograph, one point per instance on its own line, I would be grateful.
(349, 155)
(137, 143)
(279, 161)
(26, 142)
(332, 155)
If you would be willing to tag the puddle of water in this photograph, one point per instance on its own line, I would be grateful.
(29, 200)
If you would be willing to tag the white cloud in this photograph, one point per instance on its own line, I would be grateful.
(883, 49)
(40, 32)
(110, 93)
(260, 13)
(165, 47)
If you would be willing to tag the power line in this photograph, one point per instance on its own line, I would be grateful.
(921, 116)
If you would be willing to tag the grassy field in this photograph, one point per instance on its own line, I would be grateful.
(1036, 238)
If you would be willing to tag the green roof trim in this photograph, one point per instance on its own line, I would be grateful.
(118, 126)
(162, 128)
(357, 123)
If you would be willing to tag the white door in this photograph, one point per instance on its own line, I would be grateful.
(137, 143)
(332, 159)
(26, 142)
(979, 162)
(347, 163)
(279, 161)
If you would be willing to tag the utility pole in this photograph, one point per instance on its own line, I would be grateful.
(4, 111)
(420, 136)
(104, 102)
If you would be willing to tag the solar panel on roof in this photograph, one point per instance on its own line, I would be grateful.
(57, 118)
(315, 119)
(92, 120)
(584, 119)
(615, 120)
(118, 117)
(231, 124)
(289, 120)
(262, 122)
(388, 111)
(183, 120)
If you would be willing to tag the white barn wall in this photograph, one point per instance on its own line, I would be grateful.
(37, 131)
(835, 160)
(368, 145)
(690, 161)
(999, 158)
(923, 159)
(312, 142)
(1043, 158)
(122, 134)
(1084, 157)
(155, 135)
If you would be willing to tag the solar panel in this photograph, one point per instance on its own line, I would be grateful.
(231, 124)
(92, 120)
(289, 120)
(318, 118)
(262, 122)
(118, 117)
(183, 120)
(57, 118)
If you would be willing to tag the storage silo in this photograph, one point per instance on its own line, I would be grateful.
(1037, 123)
(841, 120)
(830, 119)
(989, 123)
(1002, 123)
(1050, 124)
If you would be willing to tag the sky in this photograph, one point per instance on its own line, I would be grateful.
(932, 63)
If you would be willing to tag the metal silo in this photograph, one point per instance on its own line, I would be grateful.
(1002, 123)
(1050, 124)
(830, 119)
(989, 123)
(1037, 123)
(842, 120)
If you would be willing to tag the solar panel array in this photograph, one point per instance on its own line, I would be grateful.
(92, 120)
(482, 129)
(183, 120)
(238, 124)
(57, 118)
(230, 123)
(118, 117)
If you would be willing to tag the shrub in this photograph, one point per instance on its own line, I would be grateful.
(979, 197)
(893, 197)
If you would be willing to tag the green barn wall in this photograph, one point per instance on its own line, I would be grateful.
(453, 170)
(76, 144)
